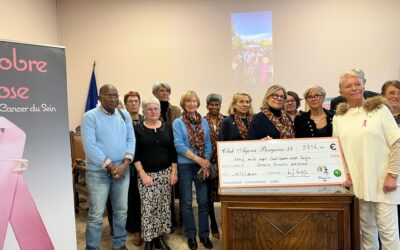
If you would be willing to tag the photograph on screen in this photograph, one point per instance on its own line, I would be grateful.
(252, 61)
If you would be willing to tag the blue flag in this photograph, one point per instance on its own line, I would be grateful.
(93, 96)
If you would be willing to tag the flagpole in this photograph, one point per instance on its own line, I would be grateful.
(92, 97)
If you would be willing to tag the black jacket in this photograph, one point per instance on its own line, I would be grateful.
(305, 127)
(229, 130)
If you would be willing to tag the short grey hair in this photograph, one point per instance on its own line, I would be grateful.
(150, 100)
(214, 98)
(158, 84)
(313, 88)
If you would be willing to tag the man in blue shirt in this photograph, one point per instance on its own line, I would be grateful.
(109, 144)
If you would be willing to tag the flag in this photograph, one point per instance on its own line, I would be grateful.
(93, 96)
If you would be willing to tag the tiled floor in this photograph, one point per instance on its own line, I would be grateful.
(176, 240)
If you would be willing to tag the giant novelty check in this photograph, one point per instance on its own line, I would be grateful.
(285, 162)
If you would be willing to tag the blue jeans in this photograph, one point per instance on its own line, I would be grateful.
(187, 175)
(100, 185)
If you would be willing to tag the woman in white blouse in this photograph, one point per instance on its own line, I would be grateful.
(369, 137)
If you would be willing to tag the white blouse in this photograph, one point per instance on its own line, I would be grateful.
(366, 139)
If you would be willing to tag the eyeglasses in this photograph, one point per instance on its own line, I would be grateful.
(314, 97)
(277, 97)
(394, 93)
(153, 109)
(111, 96)
(290, 101)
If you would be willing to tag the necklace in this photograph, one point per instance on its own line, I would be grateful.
(318, 118)
(151, 125)
(321, 115)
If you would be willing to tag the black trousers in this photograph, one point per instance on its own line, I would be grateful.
(133, 221)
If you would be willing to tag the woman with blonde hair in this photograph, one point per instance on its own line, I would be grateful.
(317, 122)
(193, 145)
(272, 122)
(240, 111)
(370, 139)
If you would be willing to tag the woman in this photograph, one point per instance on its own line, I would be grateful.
(133, 224)
(192, 142)
(214, 119)
(272, 122)
(391, 91)
(317, 122)
(132, 104)
(155, 163)
(291, 105)
(369, 137)
(235, 126)
(162, 91)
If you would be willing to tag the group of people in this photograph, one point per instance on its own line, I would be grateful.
(170, 145)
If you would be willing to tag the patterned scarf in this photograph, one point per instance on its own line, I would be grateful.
(214, 134)
(242, 126)
(196, 135)
(283, 125)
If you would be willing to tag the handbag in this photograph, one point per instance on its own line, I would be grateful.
(213, 171)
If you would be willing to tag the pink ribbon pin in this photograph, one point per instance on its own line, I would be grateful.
(16, 203)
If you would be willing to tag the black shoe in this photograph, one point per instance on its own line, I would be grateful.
(161, 243)
(206, 242)
(148, 245)
(192, 243)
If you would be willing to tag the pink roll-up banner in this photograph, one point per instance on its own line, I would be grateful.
(36, 197)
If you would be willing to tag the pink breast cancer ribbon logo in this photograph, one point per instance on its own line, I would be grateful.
(16, 203)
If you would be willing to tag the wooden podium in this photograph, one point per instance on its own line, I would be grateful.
(290, 218)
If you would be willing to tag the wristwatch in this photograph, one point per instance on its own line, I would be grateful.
(393, 175)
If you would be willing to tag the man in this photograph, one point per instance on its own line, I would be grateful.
(109, 144)
(169, 113)
(367, 94)
(133, 223)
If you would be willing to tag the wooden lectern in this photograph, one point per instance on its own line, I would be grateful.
(320, 218)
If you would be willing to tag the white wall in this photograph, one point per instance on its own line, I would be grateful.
(29, 21)
(188, 44)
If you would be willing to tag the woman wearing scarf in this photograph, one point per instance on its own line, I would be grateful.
(235, 126)
(272, 122)
(214, 119)
(193, 144)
